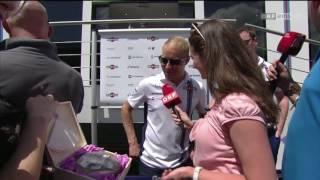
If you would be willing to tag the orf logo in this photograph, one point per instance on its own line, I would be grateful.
(112, 94)
(169, 97)
(112, 66)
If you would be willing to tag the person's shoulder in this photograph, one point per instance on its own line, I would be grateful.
(238, 105)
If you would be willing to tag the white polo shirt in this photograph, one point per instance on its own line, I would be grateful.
(161, 147)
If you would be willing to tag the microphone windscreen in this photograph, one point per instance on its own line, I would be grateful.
(291, 43)
(170, 96)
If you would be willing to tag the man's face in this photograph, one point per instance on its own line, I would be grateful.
(251, 43)
(8, 7)
(173, 63)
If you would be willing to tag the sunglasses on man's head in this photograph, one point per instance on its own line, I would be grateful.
(165, 61)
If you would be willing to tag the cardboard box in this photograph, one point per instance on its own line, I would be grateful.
(66, 138)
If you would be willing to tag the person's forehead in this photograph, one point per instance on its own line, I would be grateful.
(173, 51)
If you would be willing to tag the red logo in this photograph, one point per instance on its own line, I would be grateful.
(152, 38)
(112, 94)
(153, 66)
(113, 39)
(112, 66)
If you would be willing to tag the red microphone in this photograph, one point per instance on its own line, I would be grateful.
(290, 44)
(170, 96)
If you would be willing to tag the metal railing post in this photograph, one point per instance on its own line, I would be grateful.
(94, 106)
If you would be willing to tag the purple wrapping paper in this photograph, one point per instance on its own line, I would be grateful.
(70, 163)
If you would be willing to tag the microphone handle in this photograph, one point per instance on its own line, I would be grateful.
(283, 58)
(273, 84)
(176, 112)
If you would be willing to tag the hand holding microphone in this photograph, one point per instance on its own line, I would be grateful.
(170, 99)
(290, 44)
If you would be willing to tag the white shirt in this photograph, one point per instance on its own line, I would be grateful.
(264, 65)
(161, 147)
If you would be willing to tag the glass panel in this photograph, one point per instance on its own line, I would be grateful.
(145, 10)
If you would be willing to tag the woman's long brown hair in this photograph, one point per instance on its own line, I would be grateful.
(230, 66)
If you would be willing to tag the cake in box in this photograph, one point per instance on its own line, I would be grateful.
(73, 158)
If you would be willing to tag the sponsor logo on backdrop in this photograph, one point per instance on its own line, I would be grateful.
(110, 48)
(110, 85)
(130, 48)
(112, 39)
(153, 66)
(152, 48)
(153, 56)
(135, 76)
(112, 94)
(135, 57)
(112, 66)
(133, 67)
(131, 85)
(152, 38)
(114, 77)
(113, 57)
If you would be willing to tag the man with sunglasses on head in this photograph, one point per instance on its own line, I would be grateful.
(164, 145)
(249, 37)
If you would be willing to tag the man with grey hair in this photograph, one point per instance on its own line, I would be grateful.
(165, 144)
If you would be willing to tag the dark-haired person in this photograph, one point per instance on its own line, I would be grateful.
(165, 144)
(231, 141)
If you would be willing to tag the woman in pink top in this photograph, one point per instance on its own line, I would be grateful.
(231, 140)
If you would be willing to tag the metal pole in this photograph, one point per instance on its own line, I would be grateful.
(129, 21)
(94, 105)
(311, 41)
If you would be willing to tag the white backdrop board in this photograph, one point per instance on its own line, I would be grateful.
(129, 55)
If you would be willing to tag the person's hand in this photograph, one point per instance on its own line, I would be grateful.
(282, 75)
(41, 112)
(181, 118)
(134, 150)
(179, 173)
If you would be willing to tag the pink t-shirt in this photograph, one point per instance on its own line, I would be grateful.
(214, 149)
